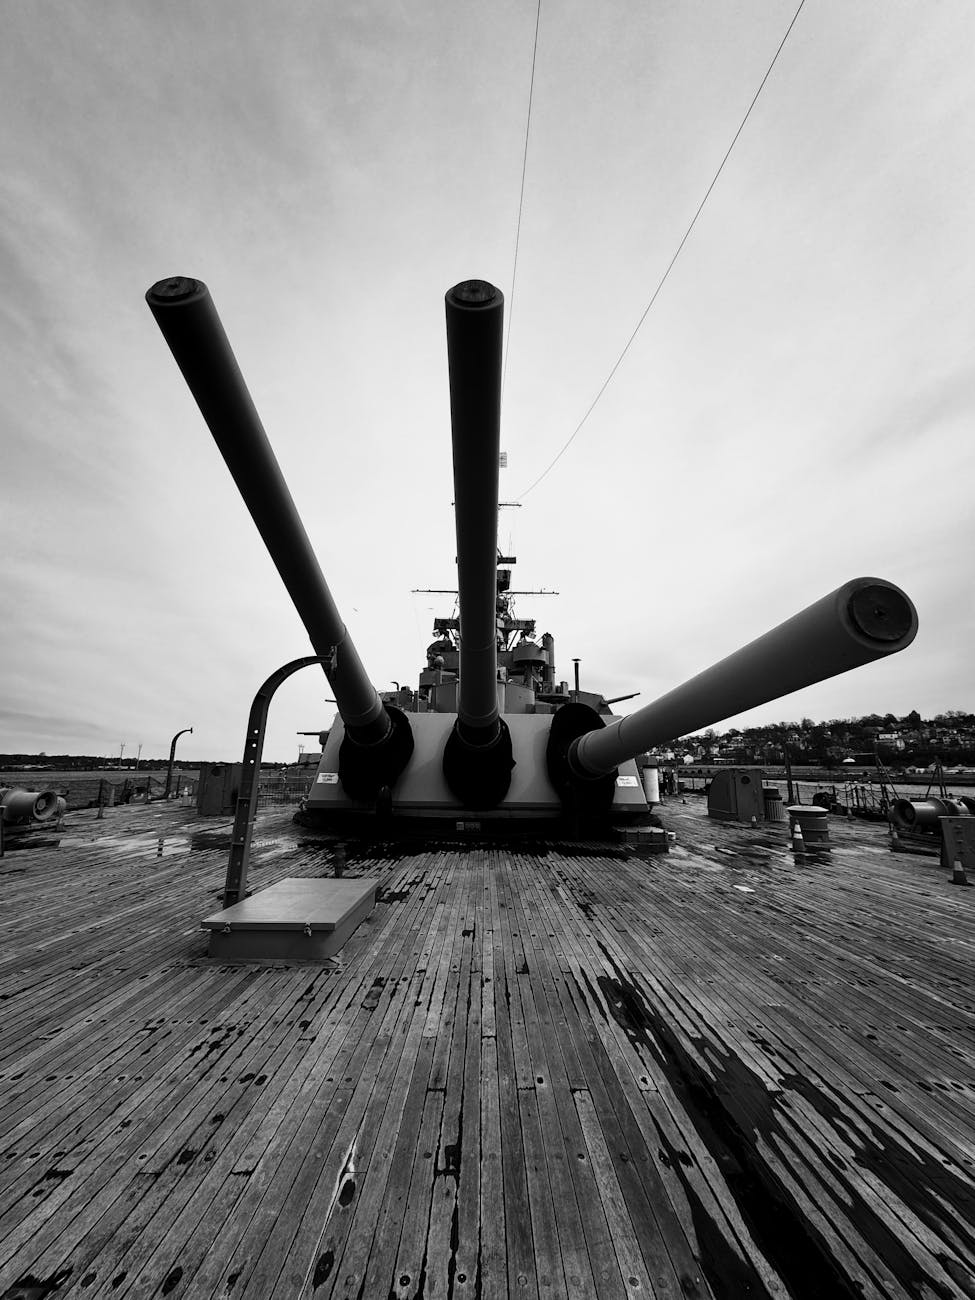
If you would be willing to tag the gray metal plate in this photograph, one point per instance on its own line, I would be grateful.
(297, 902)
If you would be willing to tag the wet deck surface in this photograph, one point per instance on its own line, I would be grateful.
(722, 1072)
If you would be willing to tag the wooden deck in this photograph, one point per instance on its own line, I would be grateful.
(722, 1072)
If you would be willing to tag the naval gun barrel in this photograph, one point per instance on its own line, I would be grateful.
(864, 620)
(187, 317)
(477, 758)
(475, 313)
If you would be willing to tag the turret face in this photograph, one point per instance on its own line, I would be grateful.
(477, 759)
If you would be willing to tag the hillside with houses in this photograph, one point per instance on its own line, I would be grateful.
(900, 743)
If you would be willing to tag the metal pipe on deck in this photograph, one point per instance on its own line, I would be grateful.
(864, 620)
(187, 317)
(477, 759)
(172, 760)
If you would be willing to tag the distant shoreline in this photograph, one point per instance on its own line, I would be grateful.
(41, 776)
(902, 781)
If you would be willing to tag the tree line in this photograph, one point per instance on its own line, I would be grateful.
(908, 740)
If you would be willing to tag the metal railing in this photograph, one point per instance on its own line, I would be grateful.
(286, 788)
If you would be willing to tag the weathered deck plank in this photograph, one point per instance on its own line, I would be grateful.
(511, 1051)
(751, 1107)
(562, 1072)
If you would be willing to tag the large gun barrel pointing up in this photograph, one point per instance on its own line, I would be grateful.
(475, 313)
(187, 317)
(477, 759)
(864, 620)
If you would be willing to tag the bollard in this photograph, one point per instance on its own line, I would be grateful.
(958, 874)
(813, 824)
(773, 805)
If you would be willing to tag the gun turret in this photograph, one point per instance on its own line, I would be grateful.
(477, 758)
(378, 741)
(864, 620)
(567, 756)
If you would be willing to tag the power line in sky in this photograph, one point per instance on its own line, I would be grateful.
(670, 264)
(521, 202)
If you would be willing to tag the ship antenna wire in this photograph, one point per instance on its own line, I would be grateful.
(670, 264)
(521, 204)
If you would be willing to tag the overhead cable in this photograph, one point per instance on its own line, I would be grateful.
(670, 264)
(521, 202)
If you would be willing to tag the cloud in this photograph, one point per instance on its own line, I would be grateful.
(794, 411)
(49, 727)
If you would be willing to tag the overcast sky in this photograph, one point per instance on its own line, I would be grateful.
(796, 410)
